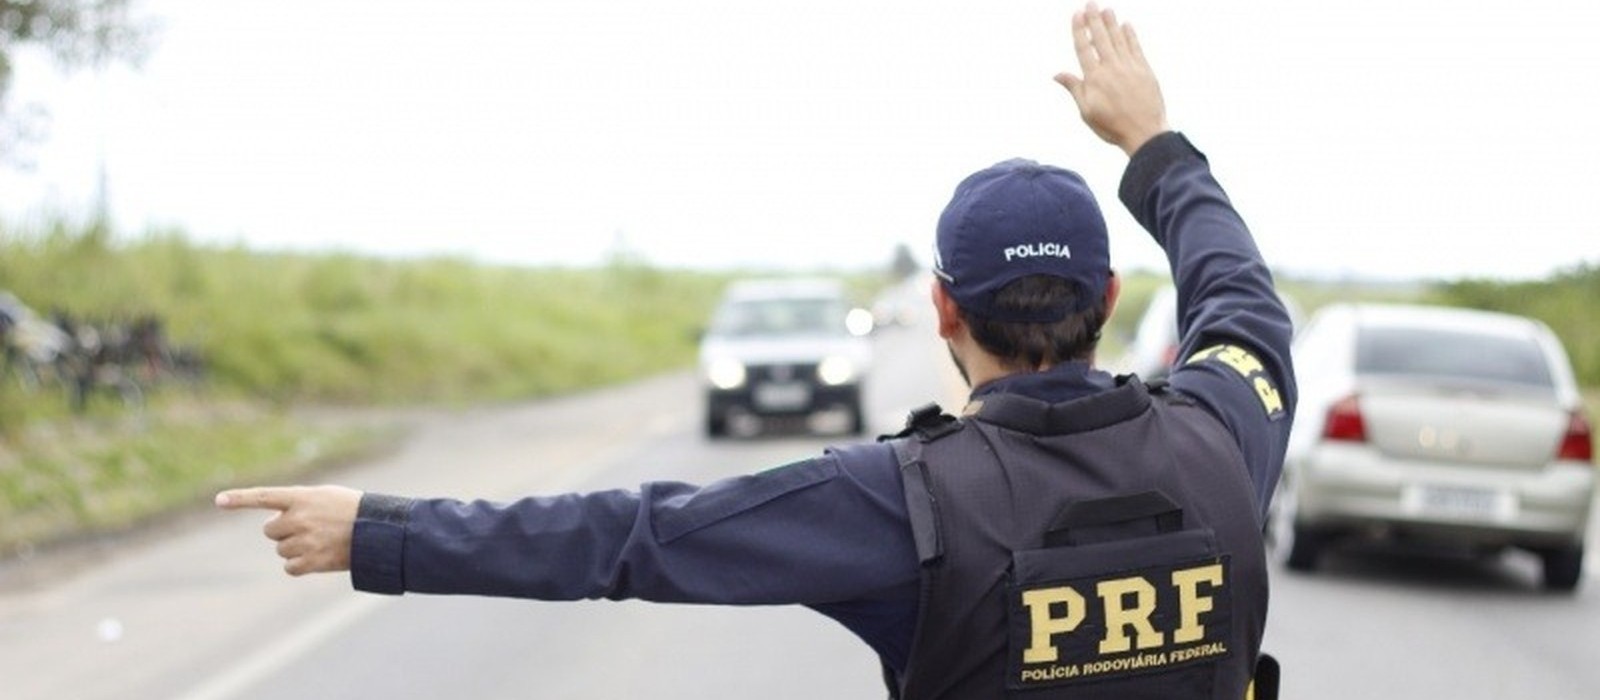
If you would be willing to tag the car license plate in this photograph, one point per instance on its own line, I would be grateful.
(1459, 502)
(782, 397)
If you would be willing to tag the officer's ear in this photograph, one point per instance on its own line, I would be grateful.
(1113, 292)
(950, 318)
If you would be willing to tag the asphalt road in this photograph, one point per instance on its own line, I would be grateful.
(198, 610)
(1388, 623)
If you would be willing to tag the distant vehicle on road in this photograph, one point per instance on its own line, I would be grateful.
(1437, 425)
(785, 347)
(1154, 349)
(1155, 340)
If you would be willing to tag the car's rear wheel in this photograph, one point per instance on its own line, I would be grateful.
(1305, 547)
(858, 419)
(716, 424)
(1563, 567)
(1299, 545)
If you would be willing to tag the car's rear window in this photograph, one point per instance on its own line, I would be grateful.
(1451, 353)
(780, 317)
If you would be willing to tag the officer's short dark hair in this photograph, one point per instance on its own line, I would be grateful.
(1025, 346)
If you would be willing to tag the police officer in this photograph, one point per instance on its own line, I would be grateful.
(1072, 534)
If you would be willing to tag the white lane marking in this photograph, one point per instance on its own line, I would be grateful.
(286, 649)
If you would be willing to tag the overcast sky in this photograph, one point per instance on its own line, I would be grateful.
(1388, 139)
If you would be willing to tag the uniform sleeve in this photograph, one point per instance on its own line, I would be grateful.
(820, 531)
(1234, 331)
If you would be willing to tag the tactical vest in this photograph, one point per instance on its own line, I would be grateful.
(1105, 547)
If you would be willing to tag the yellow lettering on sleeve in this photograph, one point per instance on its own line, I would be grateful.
(1250, 369)
(1269, 396)
(1241, 361)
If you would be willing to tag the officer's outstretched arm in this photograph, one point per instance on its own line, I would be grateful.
(1117, 94)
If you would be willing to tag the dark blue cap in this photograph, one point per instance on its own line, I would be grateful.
(1019, 218)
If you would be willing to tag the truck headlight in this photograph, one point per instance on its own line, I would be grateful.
(834, 371)
(726, 374)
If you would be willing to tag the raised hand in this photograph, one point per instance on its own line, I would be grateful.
(1118, 95)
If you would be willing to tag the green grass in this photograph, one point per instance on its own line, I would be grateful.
(112, 470)
(342, 328)
(279, 330)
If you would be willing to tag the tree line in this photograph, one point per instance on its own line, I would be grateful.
(1568, 301)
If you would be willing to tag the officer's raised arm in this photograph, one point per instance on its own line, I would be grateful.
(1234, 331)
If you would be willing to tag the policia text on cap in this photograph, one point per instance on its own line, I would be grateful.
(1073, 534)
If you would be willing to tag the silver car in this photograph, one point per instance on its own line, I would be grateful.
(785, 347)
(1441, 425)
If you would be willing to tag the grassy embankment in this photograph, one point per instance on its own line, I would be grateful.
(279, 330)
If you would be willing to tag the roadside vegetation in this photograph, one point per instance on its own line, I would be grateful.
(1569, 302)
(343, 328)
(69, 478)
(273, 331)
(276, 331)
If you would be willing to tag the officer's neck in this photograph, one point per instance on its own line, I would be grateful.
(981, 368)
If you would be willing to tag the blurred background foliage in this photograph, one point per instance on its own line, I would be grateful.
(342, 328)
(75, 34)
(279, 330)
(1568, 301)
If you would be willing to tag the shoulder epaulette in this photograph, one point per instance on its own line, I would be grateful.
(928, 422)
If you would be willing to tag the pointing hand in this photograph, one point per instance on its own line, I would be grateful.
(311, 524)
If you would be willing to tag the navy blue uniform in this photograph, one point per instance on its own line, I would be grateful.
(739, 541)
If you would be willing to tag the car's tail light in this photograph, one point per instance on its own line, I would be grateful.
(1344, 421)
(1578, 444)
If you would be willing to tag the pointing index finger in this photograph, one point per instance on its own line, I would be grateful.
(267, 497)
